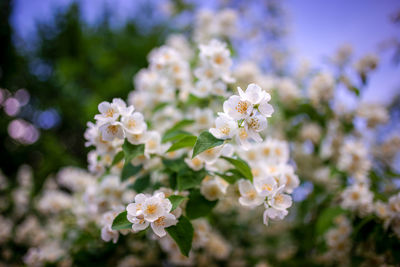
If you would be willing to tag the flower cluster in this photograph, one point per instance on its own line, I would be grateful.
(151, 210)
(244, 117)
(274, 179)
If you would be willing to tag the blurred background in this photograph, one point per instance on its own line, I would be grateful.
(60, 58)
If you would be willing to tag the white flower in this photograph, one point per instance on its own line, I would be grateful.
(237, 108)
(152, 143)
(249, 196)
(213, 189)
(274, 214)
(162, 222)
(292, 180)
(194, 163)
(357, 196)
(107, 234)
(202, 88)
(135, 209)
(134, 123)
(139, 223)
(155, 207)
(137, 138)
(225, 127)
(216, 54)
(256, 124)
(265, 186)
(280, 201)
(109, 111)
(111, 130)
(211, 155)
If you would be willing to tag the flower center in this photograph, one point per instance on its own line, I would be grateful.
(160, 221)
(151, 209)
(110, 112)
(112, 129)
(242, 107)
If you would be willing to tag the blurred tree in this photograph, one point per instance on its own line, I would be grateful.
(71, 69)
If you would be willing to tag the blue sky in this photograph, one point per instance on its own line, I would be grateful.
(317, 28)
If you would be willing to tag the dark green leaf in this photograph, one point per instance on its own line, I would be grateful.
(241, 166)
(205, 141)
(198, 206)
(129, 170)
(121, 222)
(141, 184)
(326, 219)
(187, 141)
(118, 158)
(175, 135)
(175, 132)
(231, 176)
(176, 200)
(132, 151)
(174, 165)
(182, 233)
(187, 178)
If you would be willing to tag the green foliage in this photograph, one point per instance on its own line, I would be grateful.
(326, 219)
(188, 178)
(187, 141)
(141, 184)
(231, 176)
(182, 233)
(241, 167)
(176, 200)
(132, 151)
(130, 170)
(205, 141)
(197, 206)
(121, 222)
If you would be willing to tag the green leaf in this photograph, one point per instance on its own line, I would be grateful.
(180, 125)
(176, 200)
(129, 170)
(160, 106)
(132, 151)
(175, 132)
(182, 233)
(241, 166)
(205, 141)
(174, 165)
(326, 219)
(175, 135)
(187, 141)
(121, 222)
(141, 184)
(198, 206)
(118, 158)
(187, 178)
(231, 176)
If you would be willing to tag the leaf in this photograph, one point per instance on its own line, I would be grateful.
(118, 158)
(241, 166)
(181, 124)
(160, 106)
(198, 206)
(182, 233)
(205, 141)
(141, 184)
(231, 176)
(176, 200)
(175, 132)
(187, 178)
(175, 135)
(325, 220)
(174, 165)
(121, 222)
(131, 151)
(187, 141)
(129, 170)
